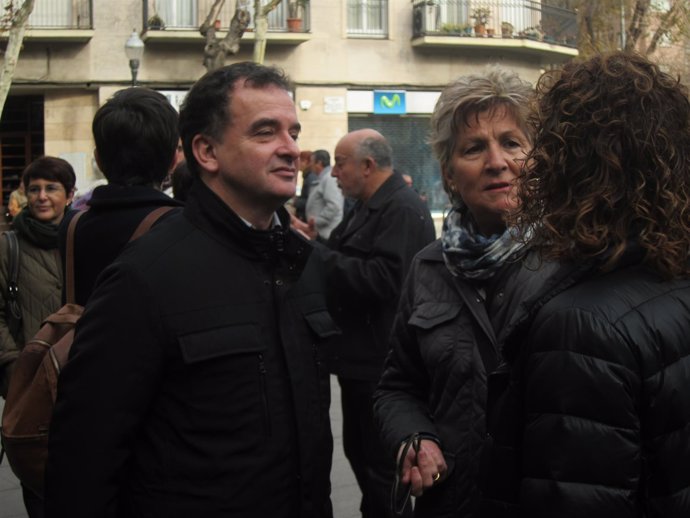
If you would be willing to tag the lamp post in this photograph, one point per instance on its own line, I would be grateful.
(134, 48)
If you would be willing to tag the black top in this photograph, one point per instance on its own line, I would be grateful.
(114, 213)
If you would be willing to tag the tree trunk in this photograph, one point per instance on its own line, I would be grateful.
(14, 46)
(261, 28)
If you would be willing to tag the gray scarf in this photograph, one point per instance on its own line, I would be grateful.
(470, 255)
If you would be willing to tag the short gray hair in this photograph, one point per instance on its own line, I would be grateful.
(376, 148)
(471, 95)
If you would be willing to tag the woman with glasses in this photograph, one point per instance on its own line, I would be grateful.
(49, 185)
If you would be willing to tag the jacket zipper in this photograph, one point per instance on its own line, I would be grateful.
(264, 395)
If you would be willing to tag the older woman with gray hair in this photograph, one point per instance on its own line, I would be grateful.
(432, 395)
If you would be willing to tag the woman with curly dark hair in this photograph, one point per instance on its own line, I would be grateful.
(590, 414)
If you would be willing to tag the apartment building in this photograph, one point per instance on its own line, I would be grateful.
(355, 63)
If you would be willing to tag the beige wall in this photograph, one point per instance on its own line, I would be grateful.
(67, 125)
(83, 74)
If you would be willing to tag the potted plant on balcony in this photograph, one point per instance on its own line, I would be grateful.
(155, 22)
(507, 29)
(481, 16)
(295, 14)
(534, 33)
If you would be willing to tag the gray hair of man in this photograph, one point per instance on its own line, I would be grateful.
(471, 95)
(376, 148)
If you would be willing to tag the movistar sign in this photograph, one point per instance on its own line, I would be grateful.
(389, 102)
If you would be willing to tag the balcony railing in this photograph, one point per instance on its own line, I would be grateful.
(188, 15)
(526, 19)
(61, 14)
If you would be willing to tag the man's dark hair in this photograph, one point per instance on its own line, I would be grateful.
(205, 110)
(136, 137)
(322, 156)
(52, 169)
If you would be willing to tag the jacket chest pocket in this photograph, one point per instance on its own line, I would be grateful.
(437, 331)
(221, 343)
(221, 365)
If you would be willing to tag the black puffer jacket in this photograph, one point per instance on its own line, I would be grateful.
(434, 380)
(591, 414)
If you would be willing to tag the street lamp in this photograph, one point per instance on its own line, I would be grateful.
(134, 48)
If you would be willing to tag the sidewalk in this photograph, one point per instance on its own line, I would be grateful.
(345, 493)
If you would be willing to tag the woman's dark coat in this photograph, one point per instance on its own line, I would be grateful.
(590, 416)
(434, 381)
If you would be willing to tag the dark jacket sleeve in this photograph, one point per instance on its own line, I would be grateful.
(401, 400)
(104, 394)
(373, 269)
(581, 442)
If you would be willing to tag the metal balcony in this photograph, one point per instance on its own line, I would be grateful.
(518, 25)
(188, 15)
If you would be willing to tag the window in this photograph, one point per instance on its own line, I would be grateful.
(407, 135)
(56, 13)
(178, 13)
(368, 18)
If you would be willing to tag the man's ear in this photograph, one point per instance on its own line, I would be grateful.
(204, 151)
(369, 165)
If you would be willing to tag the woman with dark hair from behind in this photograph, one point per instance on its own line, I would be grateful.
(49, 185)
(590, 414)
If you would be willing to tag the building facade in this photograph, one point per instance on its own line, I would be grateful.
(355, 63)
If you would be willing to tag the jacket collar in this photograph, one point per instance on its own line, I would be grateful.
(113, 196)
(551, 279)
(360, 213)
(213, 216)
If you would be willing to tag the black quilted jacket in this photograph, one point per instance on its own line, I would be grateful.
(590, 416)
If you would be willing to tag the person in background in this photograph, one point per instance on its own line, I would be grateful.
(49, 183)
(182, 180)
(458, 295)
(308, 179)
(590, 414)
(17, 201)
(136, 144)
(367, 258)
(324, 208)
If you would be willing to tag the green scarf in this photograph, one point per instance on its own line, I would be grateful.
(43, 235)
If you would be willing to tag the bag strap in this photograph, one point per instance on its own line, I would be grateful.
(149, 221)
(69, 257)
(14, 313)
(143, 227)
(13, 266)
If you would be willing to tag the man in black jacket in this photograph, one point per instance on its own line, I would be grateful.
(366, 260)
(199, 354)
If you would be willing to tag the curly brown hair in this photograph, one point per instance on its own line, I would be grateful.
(610, 168)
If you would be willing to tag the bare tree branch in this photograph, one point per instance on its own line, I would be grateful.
(638, 24)
(18, 21)
(216, 50)
(668, 21)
